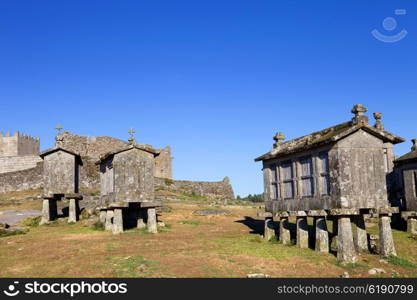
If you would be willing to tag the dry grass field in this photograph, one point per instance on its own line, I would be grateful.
(189, 246)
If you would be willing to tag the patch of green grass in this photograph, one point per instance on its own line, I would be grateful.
(6, 233)
(31, 222)
(133, 267)
(350, 267)
(400, 262)
(169, 181)
(195, 223)
(98, 226)
(110, 248)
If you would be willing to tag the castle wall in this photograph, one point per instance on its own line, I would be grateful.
(213, 190)
(18, 145)
(163, 164)
(18, 163)
(29, 179)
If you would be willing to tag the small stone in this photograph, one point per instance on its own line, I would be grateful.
(345, 275)
(258, 276)
(142, 268)
(161, 224)
(4, 226)
(376, 271)
(383, 261)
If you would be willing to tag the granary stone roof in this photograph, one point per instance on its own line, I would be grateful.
(143, 147)
(409, 157)
(331, 135)
(55, 149)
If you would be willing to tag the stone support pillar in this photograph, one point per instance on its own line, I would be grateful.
(141, 219)
(412, 225)
(322, 235)
(386, 240)
(284, 231)
(109, 219)
(73, 211)
(302, 232)
(360, 237)
(152, 222)
(102, 217)
(118, 221)
(49, 211)
(346, 251)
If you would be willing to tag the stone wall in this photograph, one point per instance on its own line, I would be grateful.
(18, 163)
(29, 179)
(163, 163)
(213, 190)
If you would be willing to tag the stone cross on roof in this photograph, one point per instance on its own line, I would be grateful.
(359, 111)
(279, 139)
(58, 128)
(132, 137)
(378, 119)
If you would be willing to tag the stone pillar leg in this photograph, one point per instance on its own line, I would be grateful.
(322, 235)
(46, 212)
(302, 232)
(141, 219)
(102, 218)
(360, 237)
(335, 232)
(387, 247)
(73, 211)
(412, 225)
(284, 232)
(152, 223)
(118, 221)
(346, 251)
(269, 231)
(109, 220)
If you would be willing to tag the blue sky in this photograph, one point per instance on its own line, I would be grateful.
(213, 79)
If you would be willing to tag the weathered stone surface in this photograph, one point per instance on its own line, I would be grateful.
(344, 212)
(73, 211)
(346, 250)
(49, 211)
(152, 222)
(302, 232)
(284, 232)
(118, 221)
(141, 220)
(360, 236)
(322, 235)
(102, 216)
(298, 214)
(412, 225)
(29, 179)
(317, 213)
(109, 219)
(386, 241)
(18, 145)
(269, 231)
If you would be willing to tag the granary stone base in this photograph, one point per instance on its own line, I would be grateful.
(345, 249)
(109, 220)
(284, 231)
(118, 221)
(322, 235)
(141, 220)
(269, 231)
(412, 225)
(102, 216)
(302, 232)
(360, 237)
(49, 211)
(386, 240)
(73, 214)
(152, 222)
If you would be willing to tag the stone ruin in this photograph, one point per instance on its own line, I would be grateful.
(127, 188)
(337, 174)
(61, 169)
(406, 183)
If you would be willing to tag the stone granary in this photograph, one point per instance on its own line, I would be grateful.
(61, 181)
(127, 188)
(338, 173)
(406, 175)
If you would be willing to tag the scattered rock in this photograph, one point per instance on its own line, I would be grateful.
(212, 212)
(142, 268)
(4, 226)
(383, 261)
(345, 275)
(91, 221)
(376, 271)
(258, 276)
(161, 224)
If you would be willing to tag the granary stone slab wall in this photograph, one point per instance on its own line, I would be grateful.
(220, 190)
(29, 179)
(18, 163)
(60, 173)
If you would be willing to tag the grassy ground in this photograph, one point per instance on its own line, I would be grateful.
(190, 246)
